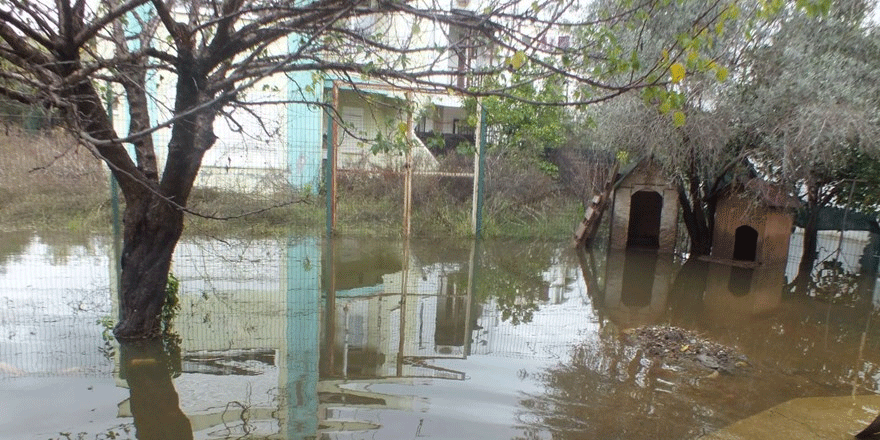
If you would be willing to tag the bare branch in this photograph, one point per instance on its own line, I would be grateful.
(101, 23)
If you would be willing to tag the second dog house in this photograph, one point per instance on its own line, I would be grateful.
(753, 223)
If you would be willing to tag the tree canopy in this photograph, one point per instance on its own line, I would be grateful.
(784, 90)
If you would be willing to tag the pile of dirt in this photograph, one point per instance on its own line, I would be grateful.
(686, 348)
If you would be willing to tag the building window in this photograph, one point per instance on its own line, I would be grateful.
(460, 126)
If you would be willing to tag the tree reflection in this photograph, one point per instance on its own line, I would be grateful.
(512, 275)
(611, 388)
(12, 244)
(796, 346)
(831, 282)
(608, 389)
(154, 402)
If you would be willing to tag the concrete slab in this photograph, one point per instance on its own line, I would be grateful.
(832, 418)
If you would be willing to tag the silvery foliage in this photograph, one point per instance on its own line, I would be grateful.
(811, 91)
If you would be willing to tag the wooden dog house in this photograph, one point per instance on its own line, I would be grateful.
(753, 223)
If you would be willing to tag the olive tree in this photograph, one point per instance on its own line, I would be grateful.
(811, 95)
(682, 124)
(212, 52)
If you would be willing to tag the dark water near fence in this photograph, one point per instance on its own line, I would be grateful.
(300, 339)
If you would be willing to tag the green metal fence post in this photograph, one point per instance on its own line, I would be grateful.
(479, 171)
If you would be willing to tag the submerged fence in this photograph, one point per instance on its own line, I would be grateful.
(251, 297)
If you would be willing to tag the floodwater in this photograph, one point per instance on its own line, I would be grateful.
(372, 339)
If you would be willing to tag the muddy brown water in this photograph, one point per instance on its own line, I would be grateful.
(443, 339)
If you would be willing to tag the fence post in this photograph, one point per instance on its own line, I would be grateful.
(479, 170)
(408, 168)
(330, 170)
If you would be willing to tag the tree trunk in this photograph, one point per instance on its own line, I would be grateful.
(699, 231)
(696, 219)
(152, 226)
(811, 241)
(152, 229)
(154, 215)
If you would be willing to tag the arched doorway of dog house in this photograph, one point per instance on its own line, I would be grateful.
(745, 245)
(644, 220)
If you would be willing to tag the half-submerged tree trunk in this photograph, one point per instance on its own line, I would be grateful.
(697, 222)
(697, 205)
(811, 240)
(154, 212)
(152, 228)
(153, 218)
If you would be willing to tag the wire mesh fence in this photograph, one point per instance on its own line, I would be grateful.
(272, 164)
(55, 290)
(253, 296)
(255, 166)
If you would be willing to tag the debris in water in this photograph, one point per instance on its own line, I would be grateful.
(674, 345)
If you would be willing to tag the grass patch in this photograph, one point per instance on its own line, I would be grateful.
(50, 182)
(277, 213)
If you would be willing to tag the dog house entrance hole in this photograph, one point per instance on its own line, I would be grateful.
(644, 219)
(745, 245)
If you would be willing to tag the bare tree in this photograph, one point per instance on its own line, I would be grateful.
(60, 56)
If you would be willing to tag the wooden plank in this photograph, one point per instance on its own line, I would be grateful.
(593, 214)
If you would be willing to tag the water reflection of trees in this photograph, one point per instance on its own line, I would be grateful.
(831, 282)
(511, 275)
(60, 246)
(12, 245)
(829, 339)
(607, 389)
(823, 343)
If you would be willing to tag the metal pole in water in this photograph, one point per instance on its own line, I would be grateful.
(479, 170)
(408, 168)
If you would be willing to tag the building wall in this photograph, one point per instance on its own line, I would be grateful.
(366, 114)
(260, 150)
(364, 117)
(646, 177)
(305, 132)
